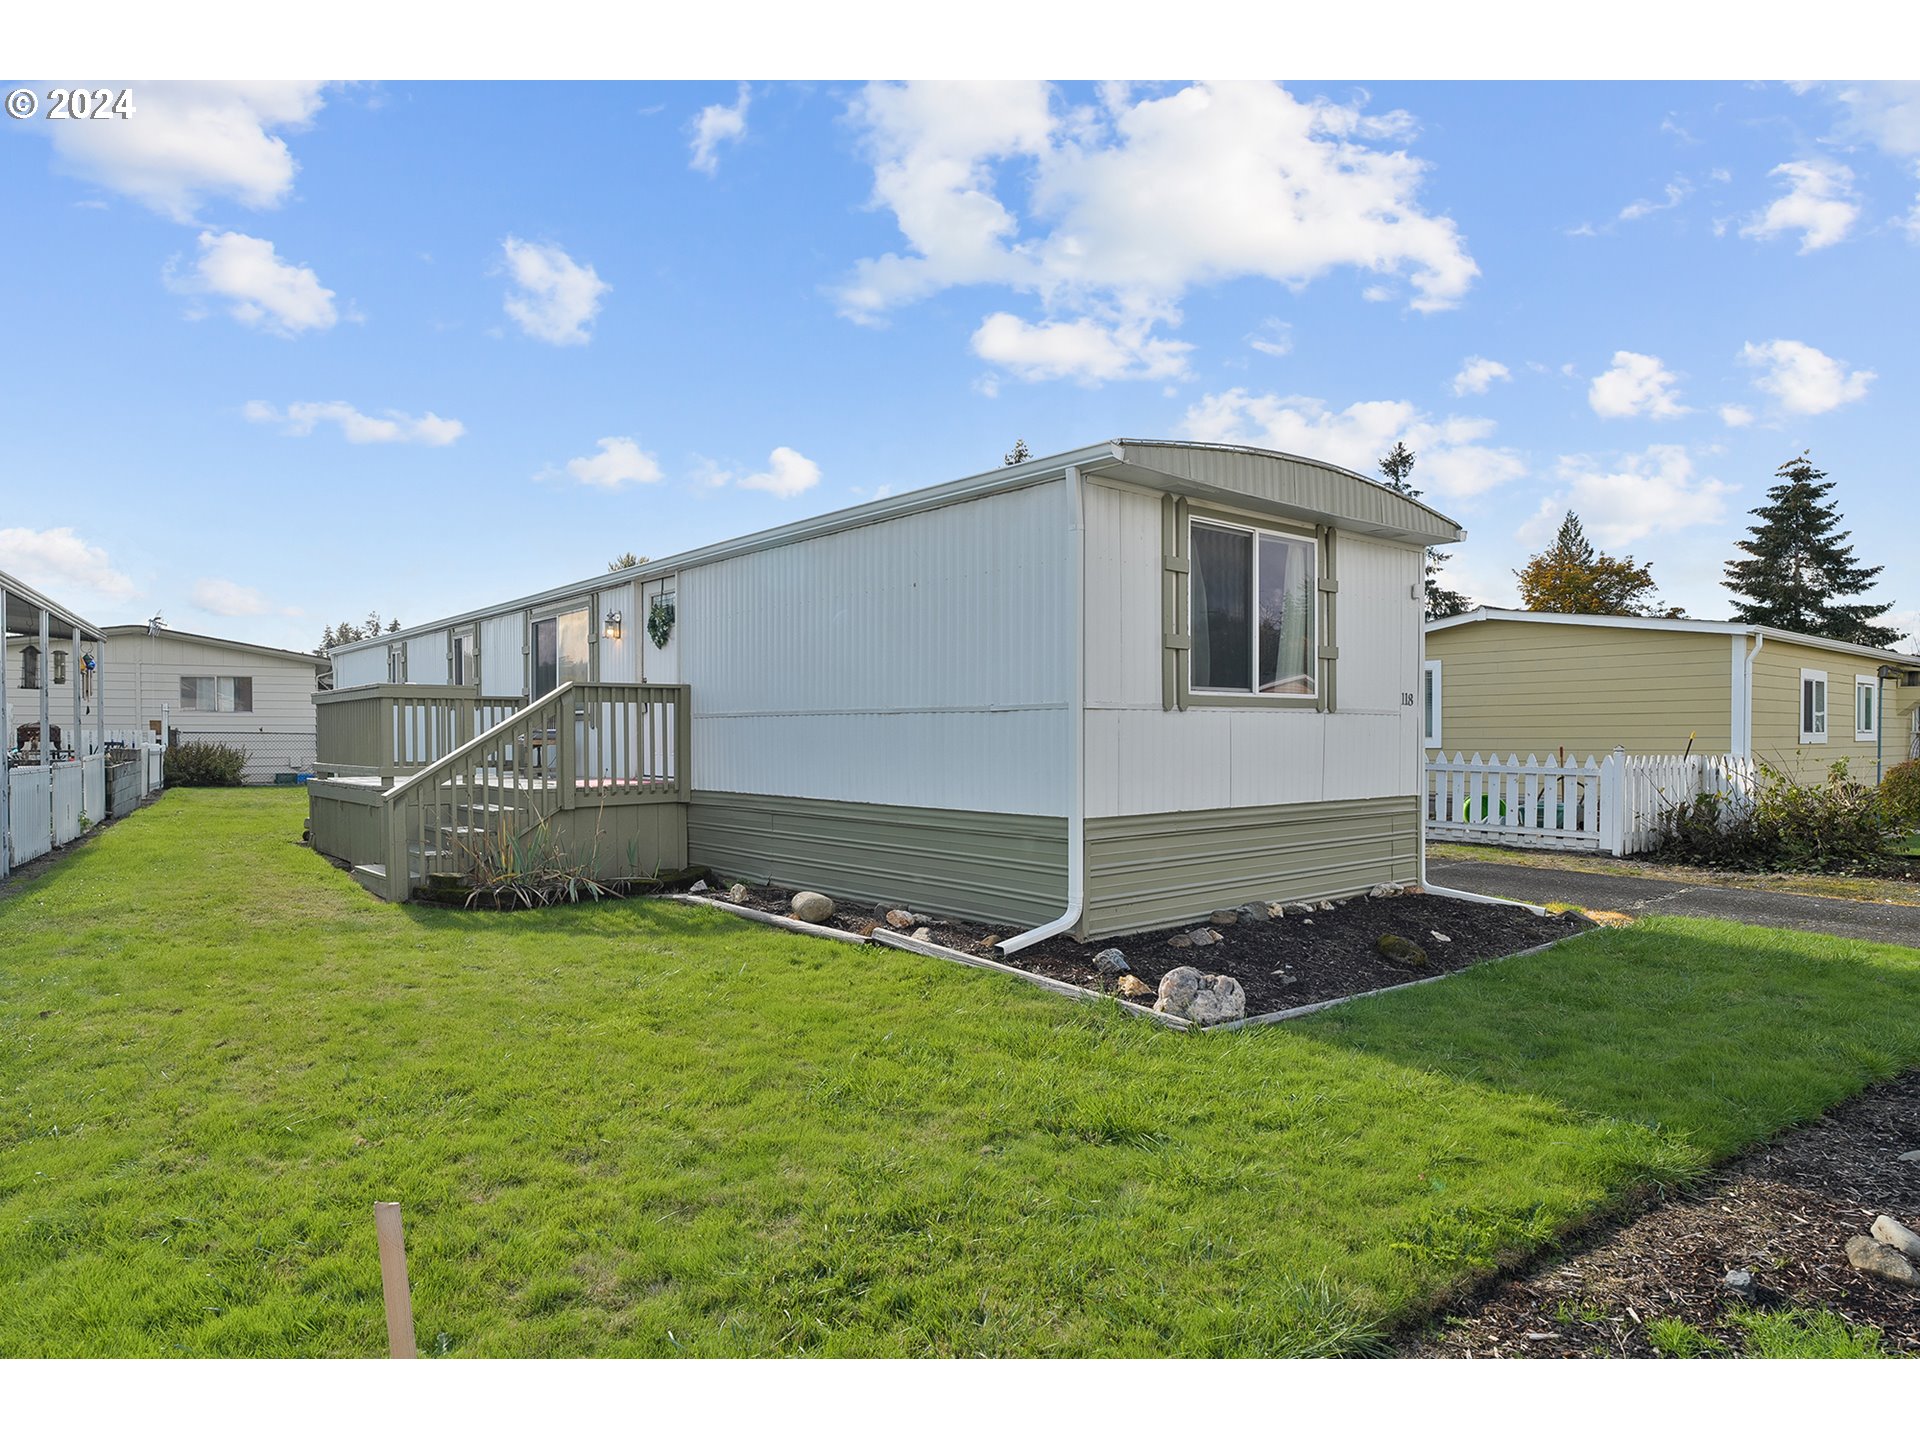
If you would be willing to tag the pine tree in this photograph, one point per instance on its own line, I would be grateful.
(1570, 577)
(1019, 454)
(625, 561)
(1397, 466)
(1799, 569)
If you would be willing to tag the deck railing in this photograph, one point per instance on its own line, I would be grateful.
(584, 745)
(394, 730)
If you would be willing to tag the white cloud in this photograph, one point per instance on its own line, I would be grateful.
(717, 125)
(60, 563)
(1735, 416)
(1676, 191)
(1804, 380)
(188, 142)
(224, 597)
(263, 290)
(619, 462)
(1274, 337)
(391, 427)
(1884, 113)
(1649, 493)
(1635, 385)
(1452, 460)
(556, 297)
(1477, 373)
(788, 473)
(1818, 203)
(1129, 203)
(1083, 350)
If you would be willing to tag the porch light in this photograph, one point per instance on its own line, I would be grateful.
(613, 625)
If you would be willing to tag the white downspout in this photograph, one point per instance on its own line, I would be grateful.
(1746, 700)
(1076, 731)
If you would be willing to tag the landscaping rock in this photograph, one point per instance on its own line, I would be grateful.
(880, 911)
(1443, 939)
(1912, 1157)
(1203, 999)
(899, 919)
(737, 894)
(1889, 1231)
(1383, 892)
(697, 887)
(923, 933)
(812, 906)
(1870, 1257)
(1204, 936)
(1398, 947)
(1739, 1283)
(1179, 942)
(1326, 905)
(1133, 987)
(1275, 910)
(1251, 914)
(1110, 963)
(1223, 917)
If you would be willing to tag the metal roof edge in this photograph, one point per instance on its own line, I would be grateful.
(1660, 622)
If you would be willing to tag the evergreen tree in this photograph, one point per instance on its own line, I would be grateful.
(1571, 577)
(1019, 454)
(625, 561)
(1397, 466)
(1799, 571)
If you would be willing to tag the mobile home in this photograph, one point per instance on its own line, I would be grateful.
(1099, 692)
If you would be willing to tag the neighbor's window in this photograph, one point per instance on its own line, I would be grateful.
(1431, 701)
(1866, 707)
(30, 668)
(1253, 628)
(59, 667)
(217, 693)
(1813, 707)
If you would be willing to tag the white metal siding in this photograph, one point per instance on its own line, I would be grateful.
(922, 660)
(1143, 760)
(360, 667)
(427, 658)
(619, 658)
(503, 659)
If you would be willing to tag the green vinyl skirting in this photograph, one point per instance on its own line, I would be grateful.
(1148, 871)
(1004, 869)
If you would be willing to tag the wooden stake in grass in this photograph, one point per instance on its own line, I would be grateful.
(393, 1280)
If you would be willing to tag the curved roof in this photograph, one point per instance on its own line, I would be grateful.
(1286, 486)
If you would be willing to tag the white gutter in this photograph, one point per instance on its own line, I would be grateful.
(1743, 742)
(1076, 731)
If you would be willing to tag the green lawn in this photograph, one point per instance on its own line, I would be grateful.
(642, 1128)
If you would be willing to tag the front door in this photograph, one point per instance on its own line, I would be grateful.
(560, 651)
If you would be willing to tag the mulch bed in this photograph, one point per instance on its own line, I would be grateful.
(1783, 1212)
(1297, 960)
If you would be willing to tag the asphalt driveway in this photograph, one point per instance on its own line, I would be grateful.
(1851, 919)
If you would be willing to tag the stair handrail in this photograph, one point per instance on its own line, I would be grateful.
(485, 737)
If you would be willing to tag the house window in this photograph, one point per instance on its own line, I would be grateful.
(1813, 707)
(213, 693)
(396, 664)
(462, 660)
(1431, 702)
(30, 668)
(1866, 707)
(1253, 622)
(59, 667)
(560, 651)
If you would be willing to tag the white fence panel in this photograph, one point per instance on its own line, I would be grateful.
(93, 788)
(29, 804)
(69, 800)
(156, 767)
(1613, 804)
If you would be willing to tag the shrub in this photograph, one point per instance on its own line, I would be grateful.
(201, 762)
(1835, 824)
(1900, 794)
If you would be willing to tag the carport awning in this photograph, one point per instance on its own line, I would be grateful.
(24, 604)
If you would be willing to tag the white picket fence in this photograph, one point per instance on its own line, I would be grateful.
(1611, 804)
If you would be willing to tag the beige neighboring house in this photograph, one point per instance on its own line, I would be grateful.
(194, 687)
(1522, 682)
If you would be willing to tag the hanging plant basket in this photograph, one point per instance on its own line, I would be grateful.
(660, 622)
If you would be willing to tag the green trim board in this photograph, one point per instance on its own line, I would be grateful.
(1006, 869)
(1147, 871)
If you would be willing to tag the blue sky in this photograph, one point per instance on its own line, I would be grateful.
(284, 353)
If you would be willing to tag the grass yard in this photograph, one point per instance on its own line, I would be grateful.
(642, 1128)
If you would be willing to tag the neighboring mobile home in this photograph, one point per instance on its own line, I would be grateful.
(1100, 691)
(1519, 682)
(186, 687)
